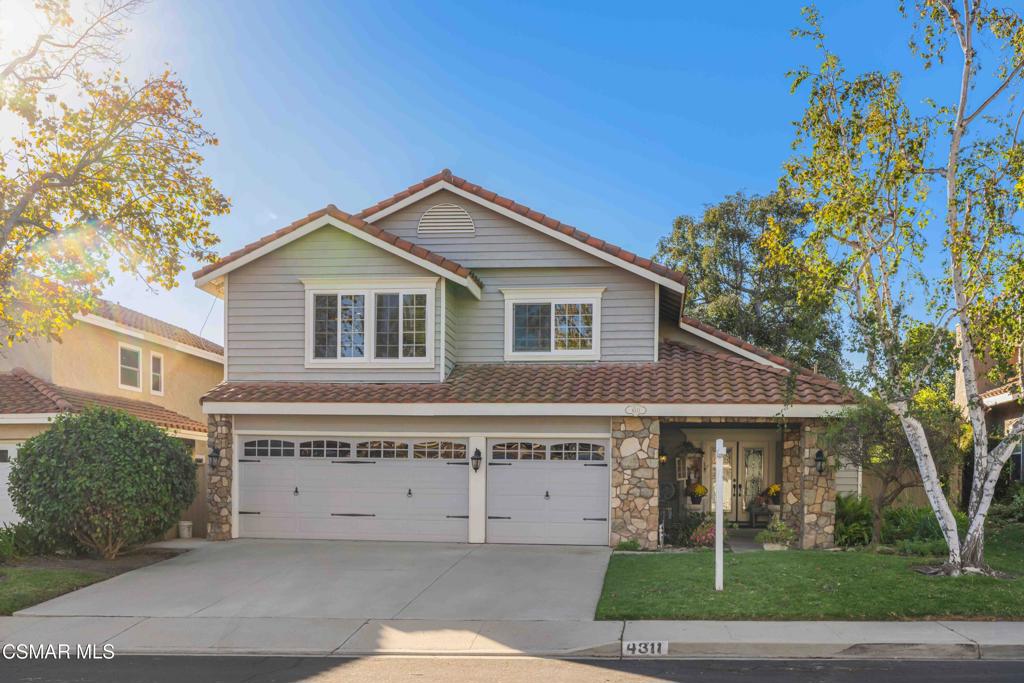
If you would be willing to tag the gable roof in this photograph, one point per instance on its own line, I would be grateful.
(446, 180)
(1006, 393)
(22, 393)
(122, 315)
(354, 226)
(683, 375)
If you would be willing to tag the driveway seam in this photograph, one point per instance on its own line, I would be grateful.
(977, 645)
(436, 579)
(351, 636)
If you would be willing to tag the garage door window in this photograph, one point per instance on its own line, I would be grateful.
(518, 450)
(577, 451)
(325, 448)
(439, 450)
(272, 448)
(382, 449)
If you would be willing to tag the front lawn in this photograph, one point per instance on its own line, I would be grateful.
(810, 585)
(22, 587)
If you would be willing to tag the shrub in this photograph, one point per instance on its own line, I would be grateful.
(916, 524)
(102, 479)
(630, 544)
(1010, 510)
(704, 535)
(853, 521)
(679, 531)
(776, 532)
(22, 540)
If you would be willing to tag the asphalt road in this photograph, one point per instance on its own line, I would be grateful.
(493, 670)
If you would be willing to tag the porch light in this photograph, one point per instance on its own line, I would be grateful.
(475, 460)
(213, 457)
(819, 461)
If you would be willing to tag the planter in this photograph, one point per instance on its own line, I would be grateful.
(775, 546)
(696, 499)
(184, 529)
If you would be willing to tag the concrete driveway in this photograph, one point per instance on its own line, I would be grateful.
(352, 580)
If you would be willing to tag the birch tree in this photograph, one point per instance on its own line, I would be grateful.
(915, 220)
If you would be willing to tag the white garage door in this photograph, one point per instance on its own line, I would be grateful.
(547, 491)
(354, 488)
(7, 514)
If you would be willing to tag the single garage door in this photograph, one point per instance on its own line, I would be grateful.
(397, 489)
(7, 513)
(547, 491)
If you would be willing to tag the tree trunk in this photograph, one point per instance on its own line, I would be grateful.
(932, 487)
(876, 520)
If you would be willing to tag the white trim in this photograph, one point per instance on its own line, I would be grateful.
(657, 319)
(235, 476)
(553, 296)
(738, 350)
(163, 373)
(561, 237)
(100, 321)
(225, 300)
(187, 434)
(442, 316)
(999, 399)
(425, 286)
(26, 418)
(539, 409)
(467, 282)
(127, 387)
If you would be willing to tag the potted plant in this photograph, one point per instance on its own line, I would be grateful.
(697, 491)
(776, 536)
(774, 494)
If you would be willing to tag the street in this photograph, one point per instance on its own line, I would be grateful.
(498, 670)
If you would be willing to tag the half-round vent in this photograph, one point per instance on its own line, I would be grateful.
(445, 218)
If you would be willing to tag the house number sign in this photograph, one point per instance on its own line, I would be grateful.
(636, 410)
(644, 648)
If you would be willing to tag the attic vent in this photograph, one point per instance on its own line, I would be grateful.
(446, 218)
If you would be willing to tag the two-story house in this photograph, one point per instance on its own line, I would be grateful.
(113, 357)
(449, 365)
(1004, 406)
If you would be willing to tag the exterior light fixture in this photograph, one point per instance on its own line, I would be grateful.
(819, 461)
(214, 457)
(475, 460)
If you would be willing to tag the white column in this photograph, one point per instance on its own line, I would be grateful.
(478, 492)
(719, 514)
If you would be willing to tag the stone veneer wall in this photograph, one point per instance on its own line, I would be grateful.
(808, 498)
(218, 490)
(635, 443)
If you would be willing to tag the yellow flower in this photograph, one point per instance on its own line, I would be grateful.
(698, 490)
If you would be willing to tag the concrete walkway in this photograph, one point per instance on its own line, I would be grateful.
(685, 639)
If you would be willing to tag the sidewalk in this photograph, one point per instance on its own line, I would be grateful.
(686, 639)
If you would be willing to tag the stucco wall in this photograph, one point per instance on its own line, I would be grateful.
(87, 359)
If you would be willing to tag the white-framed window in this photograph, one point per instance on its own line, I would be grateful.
(549, 449)
(156, 373)
(7, 452)
(129, 373)
(389, 323)
(553, 323)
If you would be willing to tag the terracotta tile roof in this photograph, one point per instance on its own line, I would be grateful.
(681, 375)
(140, 321)
(22, 392)
(1010, 388)
(525, 211)
(355, 222)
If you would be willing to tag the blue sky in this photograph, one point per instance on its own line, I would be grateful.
(611, 117)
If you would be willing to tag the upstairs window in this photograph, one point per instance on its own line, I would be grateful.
(552, 324)
(129, 367)
(156, 373)
(379, 324)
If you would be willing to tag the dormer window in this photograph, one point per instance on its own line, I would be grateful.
(381, 324)
(553, 324)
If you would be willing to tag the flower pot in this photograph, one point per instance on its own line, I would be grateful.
(184, 529)
(775, 546)
(696, 499)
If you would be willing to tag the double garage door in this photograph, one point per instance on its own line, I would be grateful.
(417, 489)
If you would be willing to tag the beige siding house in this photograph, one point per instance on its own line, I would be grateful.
(451, 365)
(114, 357)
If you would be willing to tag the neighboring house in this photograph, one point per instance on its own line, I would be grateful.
(112, 357)
(1004, 405)
(449, 365)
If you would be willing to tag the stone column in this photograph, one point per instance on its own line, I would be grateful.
(635, 442)
(808, 498)
(218, 490)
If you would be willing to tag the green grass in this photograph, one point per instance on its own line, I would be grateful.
(22, 587)
(811, 585)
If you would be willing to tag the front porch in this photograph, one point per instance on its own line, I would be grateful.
(662, 465)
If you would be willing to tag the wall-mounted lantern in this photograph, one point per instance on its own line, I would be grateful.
(819, 461)
(476, 459)
(213, 457)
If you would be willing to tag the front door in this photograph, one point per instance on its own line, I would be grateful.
(743, 476)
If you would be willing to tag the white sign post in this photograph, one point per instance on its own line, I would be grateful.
(719, 513)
